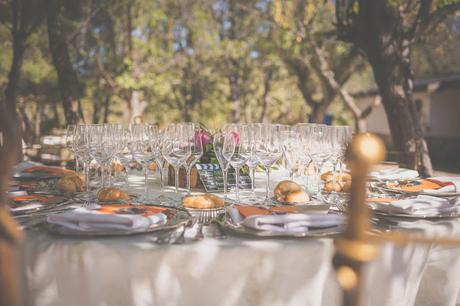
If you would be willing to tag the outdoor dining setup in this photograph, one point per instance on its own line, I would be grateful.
(157, 211)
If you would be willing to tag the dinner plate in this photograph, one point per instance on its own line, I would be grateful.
(449, 214)
(227, 224)
(383, 186)
(32, 206)
(176, 217)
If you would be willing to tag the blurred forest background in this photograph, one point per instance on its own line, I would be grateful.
(210, 61)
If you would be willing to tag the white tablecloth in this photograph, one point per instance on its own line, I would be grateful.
(234, 271)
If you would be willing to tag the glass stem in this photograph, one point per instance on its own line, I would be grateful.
(318, 176)
(267, 186)
(102, 175)
(253, 181)
(146, 176)
(76, 164)
(291, 174)
(237, 178)
(86, 169)
(225, 172)
(188, 170)
(176, 178)
(160, 169)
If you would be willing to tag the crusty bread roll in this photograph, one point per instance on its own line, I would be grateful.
(299, 196)
(117, 167)
(290, 192)
(285, 187)
(153, 166)
(69, 183)
(111, 194)
(204, 201)
(342, 182)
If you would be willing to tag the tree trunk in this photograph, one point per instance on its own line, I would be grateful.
(12, 87)
(67, 77)
(394, 83)
(317, 113)
(136, 106)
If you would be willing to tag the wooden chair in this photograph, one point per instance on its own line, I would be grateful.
(11, 286)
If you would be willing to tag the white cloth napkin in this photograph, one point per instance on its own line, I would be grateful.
(395, 174)
(450, 188)
(292, 222)
(421, 205)
(83, 219)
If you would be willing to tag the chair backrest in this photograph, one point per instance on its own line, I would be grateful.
(11, 292)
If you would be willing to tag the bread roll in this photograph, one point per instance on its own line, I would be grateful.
(69, 183)
(111, 194)
(285, 187)
(342, 183)
(205, 201)
(299, 196)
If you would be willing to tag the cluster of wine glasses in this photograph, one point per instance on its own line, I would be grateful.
(302, 146)
(178, 145)
(262, 145)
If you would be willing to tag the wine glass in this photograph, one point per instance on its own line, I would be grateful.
(102, 146)
(268, 150)
(253, 161)
(176, 147)
(69, 140)
(196, 152)
(236, 150)
(83, 152)
(320, 149)
(218, 145)
(290, 147)
(143, 136)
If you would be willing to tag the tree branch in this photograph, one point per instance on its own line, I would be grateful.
(432, 20)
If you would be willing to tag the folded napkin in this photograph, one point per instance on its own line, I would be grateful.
(420, 205)
(395, 174)
(47, 170)
(292, 223)
(110, 217)
(446, 184)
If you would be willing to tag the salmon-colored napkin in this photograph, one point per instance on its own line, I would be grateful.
(424, 185)
(110, 217)
(49, 170)
(247, 211)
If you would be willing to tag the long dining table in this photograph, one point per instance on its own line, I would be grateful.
(237, 270)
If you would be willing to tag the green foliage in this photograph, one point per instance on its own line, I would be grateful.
(196, 60)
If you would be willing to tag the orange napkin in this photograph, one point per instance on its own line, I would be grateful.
(144, 210)
(424, 184)
(247, 211)
(39, 198)
(51, 170)
(381, 200)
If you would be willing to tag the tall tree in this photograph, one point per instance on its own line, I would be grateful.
(25, 16)
(385, 31)
(67, 76)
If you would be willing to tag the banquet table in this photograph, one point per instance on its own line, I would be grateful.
(238, 270)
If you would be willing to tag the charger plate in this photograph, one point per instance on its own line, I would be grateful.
(384, 187)
(176, 217)
(228, 225)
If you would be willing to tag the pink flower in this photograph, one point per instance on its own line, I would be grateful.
(236, 137)
(202, 137)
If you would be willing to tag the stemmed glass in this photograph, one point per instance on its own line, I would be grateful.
(218, 145)
(320, 149)
(268, 150)
(176, 147)
(102, 146)
(82, 150)
(253, 161)
(196, 151)
(70, 142)
(290, 146)
(143, 136)
(236, 150)
(340, 137)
